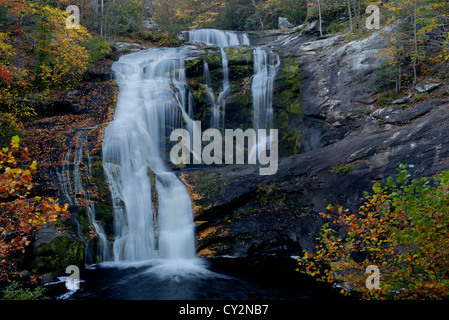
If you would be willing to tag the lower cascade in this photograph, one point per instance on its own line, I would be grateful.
(152, 92)
(152, 208)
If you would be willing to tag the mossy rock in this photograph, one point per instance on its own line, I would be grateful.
(213, 59)
(290, 143)
(194, 67)
(281, 120)
(239, 111)
(238, 72)
(287, 95)
(101, 183)
(105, 214)
(55, 250)
(239, 55)
(84, 222)
(199, 92)
(240, 62)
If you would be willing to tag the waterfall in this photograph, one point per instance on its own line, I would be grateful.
(265, 65)
(221, 39)
(152, 208)
(153, 98)
(218, 38)
(71, 194)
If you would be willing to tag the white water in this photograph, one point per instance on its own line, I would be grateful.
(218, 38)
(265, 65)
(152, 208)
(71, 194)
(152, 98)
(221, 39)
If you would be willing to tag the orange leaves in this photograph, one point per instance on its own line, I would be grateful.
(5, 75)
(20, 216)
(402, 229)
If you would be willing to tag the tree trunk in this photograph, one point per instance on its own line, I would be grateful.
(356, 5)
(258, 14)
(319, 14)
(102, 18)
(415, 58)
(397, 53)
(350, 13)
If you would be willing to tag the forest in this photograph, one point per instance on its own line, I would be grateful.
(359, 94)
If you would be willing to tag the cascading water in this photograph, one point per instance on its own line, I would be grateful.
(153, 97)
(265, 65)
(152, 208)
(71, 194)
(218, 38)
(221, 39)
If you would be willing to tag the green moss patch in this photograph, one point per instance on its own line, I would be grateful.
(56, 255)
(290, 143)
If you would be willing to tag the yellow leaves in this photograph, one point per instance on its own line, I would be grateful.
(5, 49)
(66, 56)
(22, 216)
(33, 165)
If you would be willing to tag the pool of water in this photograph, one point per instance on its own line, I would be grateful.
(198, 279)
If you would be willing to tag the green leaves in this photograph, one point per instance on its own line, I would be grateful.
(402, 227)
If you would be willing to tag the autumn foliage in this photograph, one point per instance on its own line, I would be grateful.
(20, 215)
(402, 228)
(37, 54)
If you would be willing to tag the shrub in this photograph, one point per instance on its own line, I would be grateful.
(97, 48)
(12, 292)
(345, 169)
(20, 215)
(402, 228)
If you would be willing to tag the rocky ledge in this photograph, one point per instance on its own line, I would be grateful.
(348, 142)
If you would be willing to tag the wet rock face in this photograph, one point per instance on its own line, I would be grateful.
(306, 183)
(347, 145)
(239, 102)
(340, 76)
(55, 250)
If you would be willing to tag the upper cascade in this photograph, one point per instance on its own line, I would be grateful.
(219, 38)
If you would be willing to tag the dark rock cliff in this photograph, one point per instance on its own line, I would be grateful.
(347, 144)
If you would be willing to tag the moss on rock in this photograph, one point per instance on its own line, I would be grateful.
(287, 93)
(105, 215)
(54, 251)
(239, 55)
(213, 59)
(290, 143)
